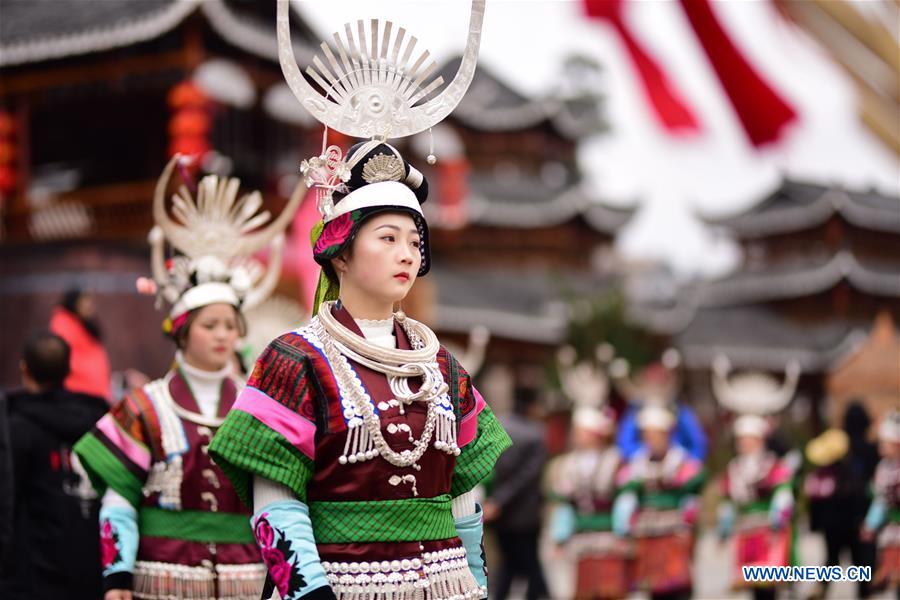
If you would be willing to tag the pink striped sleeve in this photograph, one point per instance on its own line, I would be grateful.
(299, 431)
(468, 427)
(134, 450)
(688, 470)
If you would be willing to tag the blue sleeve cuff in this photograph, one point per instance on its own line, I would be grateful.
(118, 540)
(726, 519)
(623, 509)
(470, 530)
(877, 514)
(562, 523)
(284, 534)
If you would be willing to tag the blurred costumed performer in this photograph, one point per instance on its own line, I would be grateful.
(658, 383)
(583, 483)
(757, 486)
(359, 439)
(171, 523)
(883, 517)
(658, 506)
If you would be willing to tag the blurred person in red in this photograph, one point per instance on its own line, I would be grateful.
(513, 506)
(883, 517)
(54, 550)
(75, 321)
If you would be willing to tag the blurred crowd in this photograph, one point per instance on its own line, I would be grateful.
(623, 504)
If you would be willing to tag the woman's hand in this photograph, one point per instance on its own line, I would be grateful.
(117, 595)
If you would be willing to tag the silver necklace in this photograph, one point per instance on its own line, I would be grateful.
(372, 443)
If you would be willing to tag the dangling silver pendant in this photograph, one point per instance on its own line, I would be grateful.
(400, 315)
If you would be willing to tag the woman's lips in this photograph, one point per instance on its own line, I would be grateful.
(402, 276)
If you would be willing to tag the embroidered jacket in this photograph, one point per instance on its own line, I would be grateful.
(758, 509)
(752, 486)
(665, 493)
(293, 425)
(586, 482)
(666, 490)
(152, 450)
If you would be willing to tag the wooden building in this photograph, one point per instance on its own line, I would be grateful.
(819, 265)
(95, 95)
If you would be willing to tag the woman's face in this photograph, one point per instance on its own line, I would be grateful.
(212, 337)
(384, 261)
(656, 440)
(750, 444)
(584, 438)
(889, 449)
(85, 308)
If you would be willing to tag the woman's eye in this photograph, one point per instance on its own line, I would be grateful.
(388, 238)
(416, 244)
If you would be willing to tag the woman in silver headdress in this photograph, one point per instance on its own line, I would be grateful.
(171, 524)
(359, 438)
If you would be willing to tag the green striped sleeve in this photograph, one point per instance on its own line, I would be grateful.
(244, 447)
(695, 483)
(105, 470)
(477, 458)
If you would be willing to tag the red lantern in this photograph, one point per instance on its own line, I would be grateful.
(7, 125)
(453, 190)
(191, 122)
(7, 152)
(7, 180)
(190, 146)
(186, 94)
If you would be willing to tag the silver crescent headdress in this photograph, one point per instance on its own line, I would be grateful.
(217, 235)
(642, 390)
(753, 392)
(371, 87)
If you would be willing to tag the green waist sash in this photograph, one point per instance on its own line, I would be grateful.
(195, 526)
(407, 520)
(662, 500)
(594, 522)
(757, 506)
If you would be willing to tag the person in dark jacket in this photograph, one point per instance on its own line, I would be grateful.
(837, 490)
(55, 547)
(6, 486)
(513, 507)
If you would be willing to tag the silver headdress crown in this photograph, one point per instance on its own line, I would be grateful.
(753, 392)
(645, 389)
(371, 88)
(217, 235)
(586, 383)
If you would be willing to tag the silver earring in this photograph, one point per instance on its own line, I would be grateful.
(400, 315)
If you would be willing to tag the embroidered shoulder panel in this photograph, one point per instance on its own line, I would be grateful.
(282, 372)
(136, 415)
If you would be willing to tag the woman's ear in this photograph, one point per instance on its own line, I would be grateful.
(339, 264)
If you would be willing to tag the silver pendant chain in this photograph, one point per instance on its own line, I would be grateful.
(431, 392)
